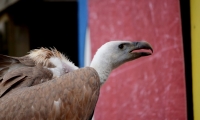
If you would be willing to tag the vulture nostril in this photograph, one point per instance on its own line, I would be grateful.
(136, 44)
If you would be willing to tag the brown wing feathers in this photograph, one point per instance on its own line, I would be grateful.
(16, 72)
(5, 63)
(27, 90)
(72, 96)
(11, 73)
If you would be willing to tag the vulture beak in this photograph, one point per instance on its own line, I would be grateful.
(141, 49)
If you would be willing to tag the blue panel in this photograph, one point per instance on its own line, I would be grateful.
(82, 25)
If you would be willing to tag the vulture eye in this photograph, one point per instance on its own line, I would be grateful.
(121, 46)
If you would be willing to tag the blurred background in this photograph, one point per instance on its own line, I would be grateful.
(163, 86)
(31, 24)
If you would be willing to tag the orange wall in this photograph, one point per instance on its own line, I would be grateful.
(149, 88)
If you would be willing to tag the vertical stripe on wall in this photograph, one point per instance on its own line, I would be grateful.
(186, 33)
(87, 56)
(195, 28)
(82, 26)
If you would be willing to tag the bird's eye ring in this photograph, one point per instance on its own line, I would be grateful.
(121, 46)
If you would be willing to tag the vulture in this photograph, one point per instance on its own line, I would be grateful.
(46, 85)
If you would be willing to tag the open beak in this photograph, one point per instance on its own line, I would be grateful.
(141, 48)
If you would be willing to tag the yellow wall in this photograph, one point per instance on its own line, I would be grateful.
(195, 34)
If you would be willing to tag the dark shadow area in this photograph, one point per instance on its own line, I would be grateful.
(186, 33)
(49, 24)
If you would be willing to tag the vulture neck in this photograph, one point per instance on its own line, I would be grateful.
(103, 68)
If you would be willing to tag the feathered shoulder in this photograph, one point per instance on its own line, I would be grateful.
(15, 69)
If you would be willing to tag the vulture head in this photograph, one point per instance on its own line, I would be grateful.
(114, 53)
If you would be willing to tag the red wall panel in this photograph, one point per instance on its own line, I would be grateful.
(149, 88)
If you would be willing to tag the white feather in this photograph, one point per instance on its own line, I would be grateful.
(62, 66)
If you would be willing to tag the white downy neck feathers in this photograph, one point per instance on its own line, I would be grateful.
(52, 60)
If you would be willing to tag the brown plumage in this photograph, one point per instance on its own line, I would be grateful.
(36, 86)
(70, 97)
(32, 69)
(46, 85)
